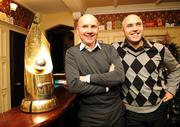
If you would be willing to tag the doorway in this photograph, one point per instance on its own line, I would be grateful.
(17, 46)
(60, 38)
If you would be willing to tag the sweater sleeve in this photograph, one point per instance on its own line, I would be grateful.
(173, 68)
(110, 78)
(73, 74)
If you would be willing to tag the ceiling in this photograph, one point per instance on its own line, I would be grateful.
(51, 6)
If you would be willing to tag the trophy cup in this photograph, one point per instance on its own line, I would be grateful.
(38, 79)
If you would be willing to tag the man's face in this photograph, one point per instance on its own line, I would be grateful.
(88, 29)
(133, 28)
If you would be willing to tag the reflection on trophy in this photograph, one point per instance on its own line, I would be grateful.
(38, 80)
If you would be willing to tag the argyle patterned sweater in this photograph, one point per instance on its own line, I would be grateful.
(144, 85)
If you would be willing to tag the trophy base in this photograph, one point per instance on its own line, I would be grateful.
(38, 106)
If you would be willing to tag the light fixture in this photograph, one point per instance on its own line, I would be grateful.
(13, 6)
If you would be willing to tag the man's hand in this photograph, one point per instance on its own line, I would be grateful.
(167, 97)
(111, 68)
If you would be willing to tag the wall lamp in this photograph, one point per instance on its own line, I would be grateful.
(13, 6)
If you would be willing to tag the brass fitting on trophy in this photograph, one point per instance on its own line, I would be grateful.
(38, 79)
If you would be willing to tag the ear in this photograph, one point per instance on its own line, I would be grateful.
(122, 28)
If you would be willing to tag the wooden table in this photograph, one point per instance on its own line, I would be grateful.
(17, 118)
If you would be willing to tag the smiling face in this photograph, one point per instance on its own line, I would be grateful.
(87, 28)
(132, 27)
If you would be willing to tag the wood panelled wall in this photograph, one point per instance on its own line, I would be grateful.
(5, 97)
(4, 69)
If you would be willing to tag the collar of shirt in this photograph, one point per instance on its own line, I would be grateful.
(82, 46)
(146, 44)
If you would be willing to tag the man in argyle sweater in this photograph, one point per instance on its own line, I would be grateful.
(145, 92)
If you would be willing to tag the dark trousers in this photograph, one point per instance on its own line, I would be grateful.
(107, 122)
(111, 119)
(157, 118)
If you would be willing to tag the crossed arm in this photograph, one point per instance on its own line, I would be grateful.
(87, 78)
(75, 85)
(98, 82)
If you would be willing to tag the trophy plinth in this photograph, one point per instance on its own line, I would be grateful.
(38, 106)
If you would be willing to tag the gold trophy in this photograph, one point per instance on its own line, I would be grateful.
(38, 79)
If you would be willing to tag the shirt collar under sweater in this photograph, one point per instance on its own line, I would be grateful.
(146, 44)
(82, 46)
